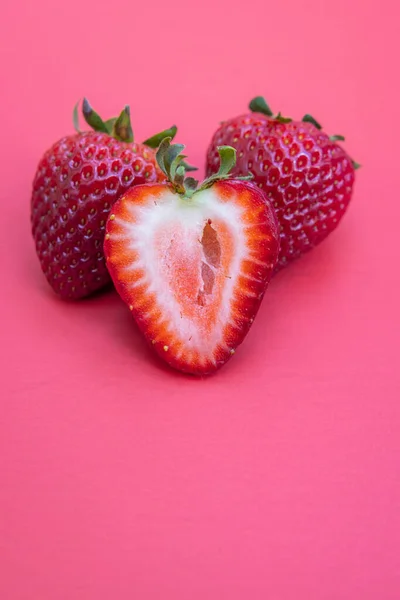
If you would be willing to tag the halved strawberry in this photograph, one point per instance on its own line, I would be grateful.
(192, 264)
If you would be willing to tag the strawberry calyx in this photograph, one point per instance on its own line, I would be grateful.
(259, 105)
(172, 162)
(119, 128)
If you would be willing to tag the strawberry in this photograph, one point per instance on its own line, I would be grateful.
(192, 263)
(76, 183)
(304, 172)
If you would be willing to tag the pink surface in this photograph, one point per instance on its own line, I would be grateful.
(277, 479)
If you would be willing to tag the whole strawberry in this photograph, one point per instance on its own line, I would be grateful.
(76, 183)
(308, 177)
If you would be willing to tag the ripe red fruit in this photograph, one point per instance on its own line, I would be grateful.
(307, 176)
(76, 183)
(192, 263)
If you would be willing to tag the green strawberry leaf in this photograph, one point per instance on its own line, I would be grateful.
(259, 105)
(155, 140)
(310, 119)
(110, 124)
(122, 129)
(75, 117)
(160, 155)
(188, 167)
(92, 118)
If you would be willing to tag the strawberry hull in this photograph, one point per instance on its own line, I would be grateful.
(192, 271)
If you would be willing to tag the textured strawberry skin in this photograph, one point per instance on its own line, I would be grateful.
(256, 271)
(308, 178)
(76, 183)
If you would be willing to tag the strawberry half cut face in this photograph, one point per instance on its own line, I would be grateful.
(193, 270)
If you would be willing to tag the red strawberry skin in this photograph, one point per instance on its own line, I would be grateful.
(76, 183)
(219, 318)
(308, 178)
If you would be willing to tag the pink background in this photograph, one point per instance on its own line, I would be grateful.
(277, 479)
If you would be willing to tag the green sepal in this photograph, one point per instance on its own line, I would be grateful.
(177, 166)
(188, 167)
(279, 117)
(92, 118)
(179, 175)
(160, 155)
(259, 105)
(356, 165)
(171, 161)
(227, 160)
(172, 156)
(169, 154)
(122, 129)
(155, 140)
(75, 117)
(310, 119)
(110, 124)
